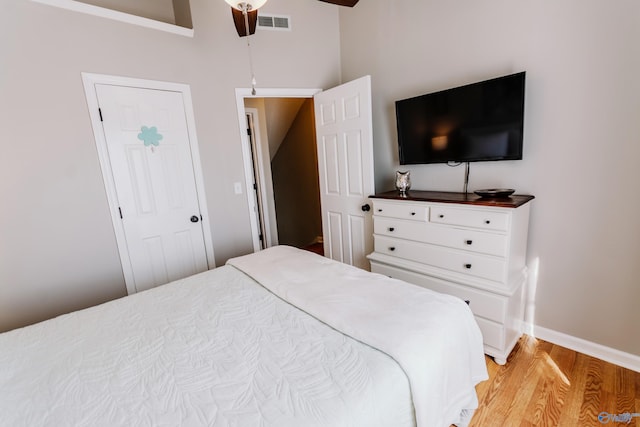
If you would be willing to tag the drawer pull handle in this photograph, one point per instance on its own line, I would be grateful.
(487, 222)
(379, 210)
(392, 248)
(413, 213)
(469, 242)
(467, 266)
(391, 229)
(468, 301)
(441, 216)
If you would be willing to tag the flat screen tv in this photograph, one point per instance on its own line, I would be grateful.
(477, 122)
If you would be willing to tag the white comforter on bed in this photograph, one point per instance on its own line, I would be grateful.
(434, 337)
(216, 349)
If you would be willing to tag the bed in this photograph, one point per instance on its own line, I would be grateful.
(282, 337)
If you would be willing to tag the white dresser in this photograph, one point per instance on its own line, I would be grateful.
(463, 245)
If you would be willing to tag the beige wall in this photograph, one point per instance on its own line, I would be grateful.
(57, 247)
(280, 114)
(295, 182)
(581, 134)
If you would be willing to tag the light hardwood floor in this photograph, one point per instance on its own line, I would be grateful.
(544, 384)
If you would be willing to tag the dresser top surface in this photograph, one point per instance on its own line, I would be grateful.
(512, 201)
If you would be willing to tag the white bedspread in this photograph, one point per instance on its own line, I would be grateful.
(216, 349)
(434, 337)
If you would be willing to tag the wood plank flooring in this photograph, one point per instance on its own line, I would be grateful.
(317, 248)
(544, 384)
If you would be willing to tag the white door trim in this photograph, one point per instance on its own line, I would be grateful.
(90, 80)
(263, 191)
(241, 94)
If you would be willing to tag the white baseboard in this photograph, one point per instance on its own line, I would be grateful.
(608, 354)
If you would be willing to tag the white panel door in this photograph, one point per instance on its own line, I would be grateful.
(345, 168)
(150, 157)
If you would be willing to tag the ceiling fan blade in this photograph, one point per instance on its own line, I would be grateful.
(238, 21)
(349, 3)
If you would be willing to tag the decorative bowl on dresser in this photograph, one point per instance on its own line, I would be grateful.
(460, 244)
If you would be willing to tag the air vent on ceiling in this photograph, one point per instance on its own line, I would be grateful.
(274, 22)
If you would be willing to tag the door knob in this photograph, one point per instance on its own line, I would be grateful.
(366, 207)
(195, 219)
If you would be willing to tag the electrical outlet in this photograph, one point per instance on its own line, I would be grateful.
(237, 187)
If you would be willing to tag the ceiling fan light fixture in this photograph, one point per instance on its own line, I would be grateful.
(246, 5)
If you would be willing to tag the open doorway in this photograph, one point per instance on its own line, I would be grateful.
(344, 139)
(284, 184)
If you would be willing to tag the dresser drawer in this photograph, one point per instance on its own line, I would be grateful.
(492, 333)
(483, 304)
(486, 267)
(476, 218)
(401, 210)
(401, 229)
(457, 238)
(489, 306)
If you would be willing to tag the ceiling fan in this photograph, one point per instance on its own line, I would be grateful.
(245, 13)
(245, 18)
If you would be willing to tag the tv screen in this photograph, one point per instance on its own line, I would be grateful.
(477, 122)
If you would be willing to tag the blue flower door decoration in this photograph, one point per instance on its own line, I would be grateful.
(150, 136)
